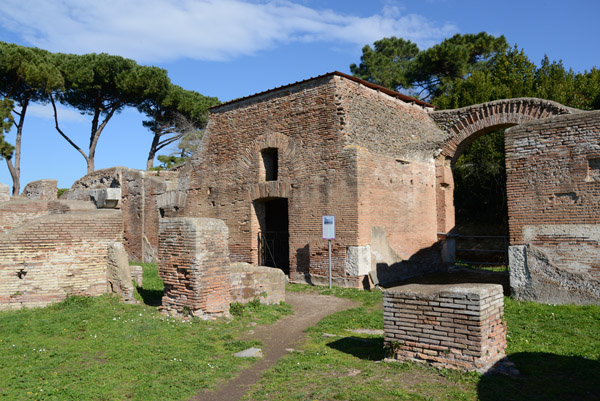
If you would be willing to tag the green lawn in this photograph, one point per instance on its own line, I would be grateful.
(102, 349)
(556, 348)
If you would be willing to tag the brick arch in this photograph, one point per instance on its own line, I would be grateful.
(465, 125)
(292, 164)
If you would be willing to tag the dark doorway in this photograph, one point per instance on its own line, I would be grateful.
(274, 234)
(481, 213)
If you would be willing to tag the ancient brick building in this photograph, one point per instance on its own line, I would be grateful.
(272, 164)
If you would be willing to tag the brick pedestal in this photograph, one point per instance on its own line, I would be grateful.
(194, 264)
(450, 326)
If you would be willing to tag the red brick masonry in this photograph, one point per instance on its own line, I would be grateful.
(449, 326)
(194, 264)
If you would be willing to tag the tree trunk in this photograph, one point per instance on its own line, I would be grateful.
(152, 152)
(16, 175)
(15, 178)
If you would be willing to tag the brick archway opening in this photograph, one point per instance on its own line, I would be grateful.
(464, 126)
(472, 207)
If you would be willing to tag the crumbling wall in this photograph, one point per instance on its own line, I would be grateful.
(18, 211)
(553, 189)
(56, 255)
(41, 189)
(141, 199)
(194, 265)
(4, 193)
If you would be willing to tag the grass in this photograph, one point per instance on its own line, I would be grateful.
(99, 348)
(151, 291)
(556, 348)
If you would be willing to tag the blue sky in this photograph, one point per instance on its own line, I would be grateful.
(235, 48)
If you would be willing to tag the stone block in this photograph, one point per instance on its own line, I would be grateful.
(264, 283)
(4, 193)
(119, 273)
(106, 198)
(41, 189)
(358, 260)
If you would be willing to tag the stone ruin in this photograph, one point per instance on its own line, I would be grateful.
(82, 244)
(449, 326)
(272, 164)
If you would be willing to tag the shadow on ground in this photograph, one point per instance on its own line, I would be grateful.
(370, 349)
(150, 297)
(544, 376)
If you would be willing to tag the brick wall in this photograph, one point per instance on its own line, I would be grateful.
(194, 265)
(324, 129)
(56, 255)
(139, 193)
(449, 326)
(316, 174)
(17, 211)
(553, 188)
(395, 143)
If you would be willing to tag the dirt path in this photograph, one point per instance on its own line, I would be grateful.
(285, 333)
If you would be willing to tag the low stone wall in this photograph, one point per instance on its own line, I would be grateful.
(449, 326)
(53, 256)
(194, 265)
(264, 283)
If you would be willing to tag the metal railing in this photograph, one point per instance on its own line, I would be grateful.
(454, 240)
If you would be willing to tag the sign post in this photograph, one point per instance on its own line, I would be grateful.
(329, 234)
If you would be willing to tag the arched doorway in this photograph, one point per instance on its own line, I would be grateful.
(463, 127)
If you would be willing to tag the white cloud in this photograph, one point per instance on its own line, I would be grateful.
(64, 114)
(162, 30)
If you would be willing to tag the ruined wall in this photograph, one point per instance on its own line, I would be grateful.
(52, 256)
(141, 192)
(194, 265)
(41, 189)
(316, 173)
(553, 188)
(18, 211)
(141, 213)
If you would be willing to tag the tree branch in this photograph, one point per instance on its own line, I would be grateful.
(62, 133)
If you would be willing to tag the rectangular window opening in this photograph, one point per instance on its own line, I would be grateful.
(270, 163)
